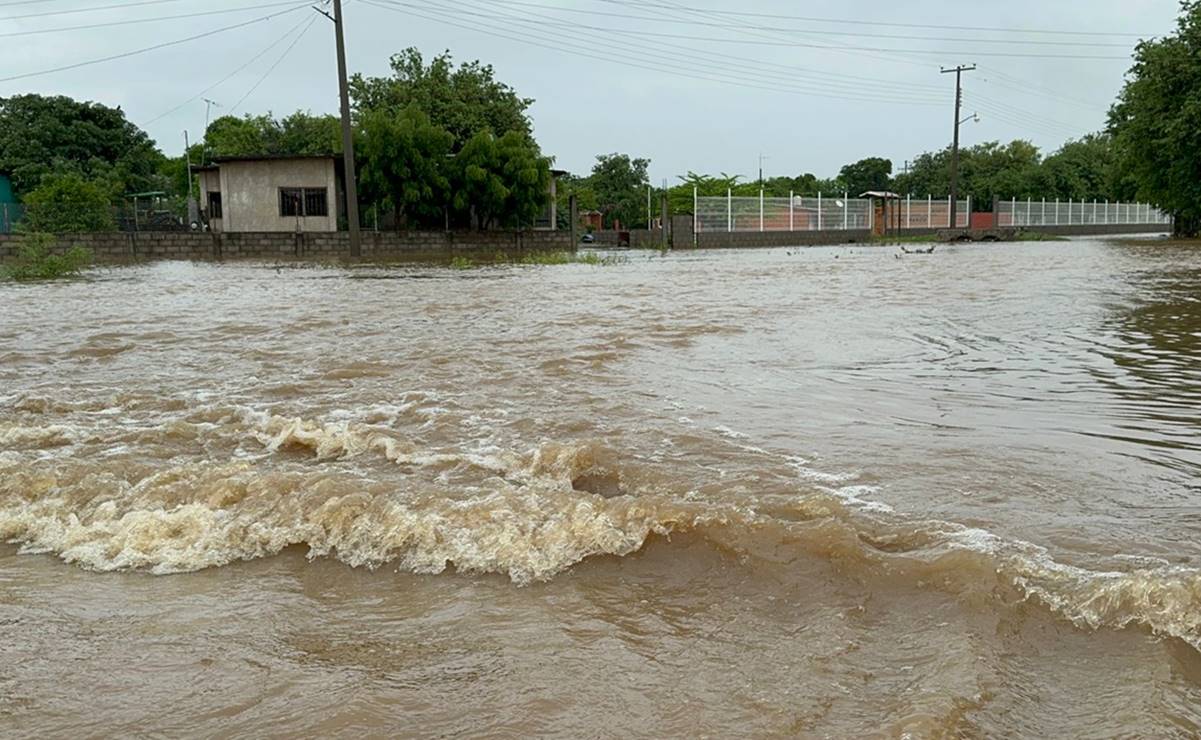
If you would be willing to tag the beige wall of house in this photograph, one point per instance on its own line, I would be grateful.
(250, 194)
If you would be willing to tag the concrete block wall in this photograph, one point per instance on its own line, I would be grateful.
(128, 247)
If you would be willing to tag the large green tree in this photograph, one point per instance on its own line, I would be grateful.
(620, 184)
(42, 135)
(300, 133)
(873, 173)
(1156, 122)
(500, 181)
(403, 164)
(465, 100)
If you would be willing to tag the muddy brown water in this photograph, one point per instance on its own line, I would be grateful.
(824, 492)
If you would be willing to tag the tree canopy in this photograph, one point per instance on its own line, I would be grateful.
(403, 163)
(300, 133)
(873, 173)
(620, 184)
(41, 135)
(67, 203)
(464, 100)
(1156, 122)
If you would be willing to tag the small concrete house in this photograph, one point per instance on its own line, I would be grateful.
(271, 193)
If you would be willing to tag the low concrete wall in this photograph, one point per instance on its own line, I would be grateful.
(743, 239)
(119, 247)
(1101, 229)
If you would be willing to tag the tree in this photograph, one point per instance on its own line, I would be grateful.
(404, 164)
(527, 174)
(42, 135)
(479, 191)
(501, 182)
(67, 203)
(1156, 122)
(873, 173)
(465, 100)
(299, 134)
(620, 184)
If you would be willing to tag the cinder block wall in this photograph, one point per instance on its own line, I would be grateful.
(121, 247)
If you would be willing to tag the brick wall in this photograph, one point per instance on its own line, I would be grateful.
(119, 247)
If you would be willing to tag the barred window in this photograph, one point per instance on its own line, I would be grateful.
(291, 202)
(214, 204)
(315, 203)
(303, 202)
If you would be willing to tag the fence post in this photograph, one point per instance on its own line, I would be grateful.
(761, 209)
(695, 214)
(908, 210)
(729, 210)
(871, 215)
(819, 210)
(949, 224)
(791, 198)
(929, 211)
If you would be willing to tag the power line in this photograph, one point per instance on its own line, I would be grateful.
(75, 11)
(664, 67)
(756, 68)
(810, 31)
(231, 75)
(133, 21)
(150, 48)
(862, 22)
(271, 69)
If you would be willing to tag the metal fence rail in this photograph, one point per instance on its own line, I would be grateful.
(794, 213)
(1030, 212)
(929, 213)
(821, 213)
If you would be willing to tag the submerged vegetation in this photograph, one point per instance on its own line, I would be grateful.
(35, 261)
(556, 257)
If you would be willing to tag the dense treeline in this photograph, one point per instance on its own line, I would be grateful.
(436, 144)
(444, 144)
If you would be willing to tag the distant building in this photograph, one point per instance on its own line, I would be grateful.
(271, 193)
(592, 220)
(9, 210)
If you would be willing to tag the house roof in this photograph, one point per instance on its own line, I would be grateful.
(880, 194)
(271, 157)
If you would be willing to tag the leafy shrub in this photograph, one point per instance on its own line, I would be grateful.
(34, 260)
(67, 203)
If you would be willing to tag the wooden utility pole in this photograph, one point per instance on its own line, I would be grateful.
(955, 143)
(352, 189)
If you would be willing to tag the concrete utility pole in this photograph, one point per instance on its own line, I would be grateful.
(761, 158)
(955, 143)
(352, 189)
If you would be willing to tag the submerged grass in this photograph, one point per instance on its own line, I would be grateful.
(555, 257)
(34, 261)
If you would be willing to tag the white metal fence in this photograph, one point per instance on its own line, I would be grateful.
(795, 213)
(1029, 212)
(821, 213)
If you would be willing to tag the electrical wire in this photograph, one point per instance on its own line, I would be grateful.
(156, 19)
(659, 67)
(231, 75)
(810, 31)
(271, 69)
(75, 11)
(862, 22)
(154, 47)
(754, 69)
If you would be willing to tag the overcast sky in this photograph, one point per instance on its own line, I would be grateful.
(701, 85)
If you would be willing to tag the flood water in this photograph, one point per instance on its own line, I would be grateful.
(818, 492)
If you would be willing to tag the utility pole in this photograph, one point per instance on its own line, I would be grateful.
(761, 158)
(193, 204)
(955, 143)
(352, 190)
(208, 109)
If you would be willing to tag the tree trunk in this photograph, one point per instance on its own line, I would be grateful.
(1186, 227)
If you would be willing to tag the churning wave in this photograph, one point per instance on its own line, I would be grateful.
(531, 517)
